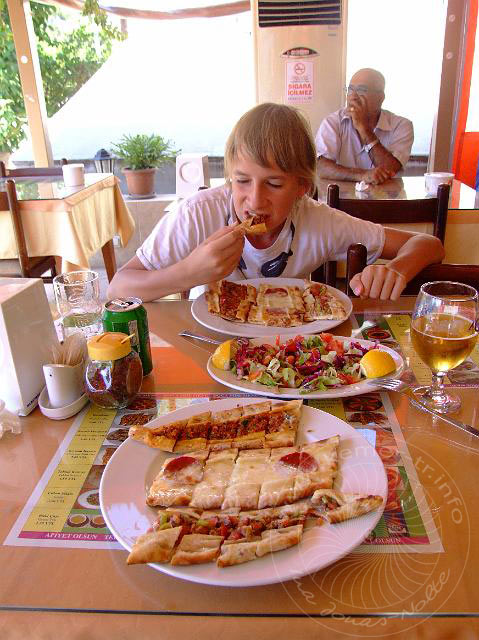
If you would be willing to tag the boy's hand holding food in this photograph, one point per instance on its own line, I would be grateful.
(217, 256)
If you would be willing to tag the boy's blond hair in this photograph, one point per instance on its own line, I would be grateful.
(274, 132)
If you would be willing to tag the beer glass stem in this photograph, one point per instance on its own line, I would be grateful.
(435, 396)
(437, 393)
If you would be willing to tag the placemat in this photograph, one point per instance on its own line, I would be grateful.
(64, 511)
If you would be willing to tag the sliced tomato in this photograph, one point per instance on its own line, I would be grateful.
(347, 378)
(235, 535)
(290, 347)
(332, 343)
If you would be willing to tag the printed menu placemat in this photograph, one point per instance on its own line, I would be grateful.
(64, 510)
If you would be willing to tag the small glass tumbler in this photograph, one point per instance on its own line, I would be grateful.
(77, 295)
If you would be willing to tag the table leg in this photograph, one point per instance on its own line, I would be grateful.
(109, 259)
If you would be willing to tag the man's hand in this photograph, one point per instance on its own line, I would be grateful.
(377, 281)
(358, 110)
(378, 175)
(217, 256)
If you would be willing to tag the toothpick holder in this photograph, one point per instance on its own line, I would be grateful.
(64, 383)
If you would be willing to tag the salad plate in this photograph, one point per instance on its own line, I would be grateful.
(199, 310)
(230, 379)
(133, 467)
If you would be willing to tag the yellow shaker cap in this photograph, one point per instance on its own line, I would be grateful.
(109, 346)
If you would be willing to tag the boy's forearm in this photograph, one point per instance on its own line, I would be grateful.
(149, 285)
(418, 252)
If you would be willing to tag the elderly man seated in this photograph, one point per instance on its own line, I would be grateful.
(363, 141)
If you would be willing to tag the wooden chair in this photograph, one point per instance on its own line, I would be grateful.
(23, 266)
(386, 212)
(30, 172)
(465, 273)
(425, 210)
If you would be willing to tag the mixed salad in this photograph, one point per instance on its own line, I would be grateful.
(306, 363)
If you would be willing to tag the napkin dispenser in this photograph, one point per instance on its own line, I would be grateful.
(27, 334)
(192, 172)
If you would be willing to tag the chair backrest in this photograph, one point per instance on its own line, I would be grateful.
(396, 211)
(26, 172)
(9, 202)
(465, 273)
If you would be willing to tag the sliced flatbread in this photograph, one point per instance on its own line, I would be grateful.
(224, 427)
(236, 553)
(255, 479)
(163, 437)
(197, 548)
(279, 539)
(320, 304)
(154, 546)
(283, 424)
(250, 426)
(278, 306)
(336, 506)
(194, 435)
(230, 300)
(253, 425)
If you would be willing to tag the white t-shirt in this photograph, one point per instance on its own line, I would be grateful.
(338, 140)
(313, 234)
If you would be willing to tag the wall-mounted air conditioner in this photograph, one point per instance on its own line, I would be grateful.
(300, 54)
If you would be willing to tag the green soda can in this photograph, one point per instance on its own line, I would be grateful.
(128, 315)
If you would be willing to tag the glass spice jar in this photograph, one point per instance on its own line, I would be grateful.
(114, 373)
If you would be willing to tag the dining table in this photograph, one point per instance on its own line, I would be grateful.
(462, 225)
(417, 578)
(71, 223)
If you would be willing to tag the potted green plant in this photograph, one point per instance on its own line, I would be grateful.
(142, 154)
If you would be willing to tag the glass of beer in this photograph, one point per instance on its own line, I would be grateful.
(444, 329)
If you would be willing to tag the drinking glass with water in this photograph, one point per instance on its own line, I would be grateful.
(77, 295)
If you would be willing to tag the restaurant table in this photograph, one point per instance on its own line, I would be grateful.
(70, 222)
(81, 593)
(462, 227)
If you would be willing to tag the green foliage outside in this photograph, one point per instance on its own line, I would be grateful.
(71, 48)
(142, 151)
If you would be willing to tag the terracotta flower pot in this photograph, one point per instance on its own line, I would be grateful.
(140, 182)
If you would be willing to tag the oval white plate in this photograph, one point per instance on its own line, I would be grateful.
(229, 379)
(133, 467)
(200, 312)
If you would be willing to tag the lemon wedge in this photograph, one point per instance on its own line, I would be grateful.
(223, 354)
(376, 363)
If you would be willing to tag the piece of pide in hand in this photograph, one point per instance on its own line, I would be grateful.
(255, 224)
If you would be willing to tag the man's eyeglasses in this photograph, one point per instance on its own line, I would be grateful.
(360, 89)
